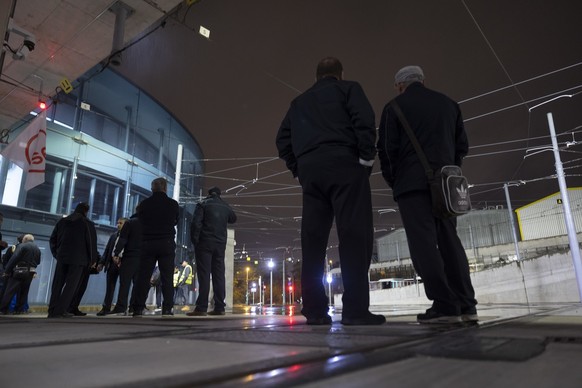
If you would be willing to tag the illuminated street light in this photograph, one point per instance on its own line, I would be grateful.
(271, 265)
(253, 290)
(247, 291)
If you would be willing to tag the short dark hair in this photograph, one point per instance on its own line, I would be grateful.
(329, 66)
(82, 207)
(214, 190)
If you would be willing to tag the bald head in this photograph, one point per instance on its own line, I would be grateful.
(329, 67)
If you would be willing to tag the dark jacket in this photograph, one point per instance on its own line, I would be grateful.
(210, 221)
(105, 259)
(26, 254)
(332, 112)
(74, 241)
(129, 238)
(8, 254)
(158, 215)
(437, 123)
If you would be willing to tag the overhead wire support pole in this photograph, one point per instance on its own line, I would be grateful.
(512, 220)
(570, 227)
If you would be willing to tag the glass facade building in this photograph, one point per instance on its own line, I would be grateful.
(106, 141)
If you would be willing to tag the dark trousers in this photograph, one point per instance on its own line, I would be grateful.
(158, 296)
(128, 273)
(437, 254)
(64, 288)
(336, 186)
(210, 260)
(111, 281)
(163, 251)
(83, 283)
(18, 287)
(3, 284)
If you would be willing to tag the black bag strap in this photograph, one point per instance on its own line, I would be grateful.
(427, 168)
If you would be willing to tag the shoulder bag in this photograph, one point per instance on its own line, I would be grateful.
(449, 189)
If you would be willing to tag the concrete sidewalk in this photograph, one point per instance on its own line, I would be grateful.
(513, 346)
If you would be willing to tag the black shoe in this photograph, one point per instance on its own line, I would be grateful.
(318, 321)
(216, 312)
(469, 315)
(77, 313)
(167, 313)
(103, 312)
(197, 313)
(137, 313)
(368, 319)
(117, 312)
(433, 316)
(130, 310)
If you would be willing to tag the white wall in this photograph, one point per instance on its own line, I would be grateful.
(542, 280)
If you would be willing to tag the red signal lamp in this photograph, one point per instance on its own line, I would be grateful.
(41, 104)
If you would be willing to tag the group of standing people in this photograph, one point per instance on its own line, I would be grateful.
(131, 254)
(328, 140)
(141, 252)
(19, 268)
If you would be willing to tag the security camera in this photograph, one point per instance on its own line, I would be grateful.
(24, 49)
(28, 43)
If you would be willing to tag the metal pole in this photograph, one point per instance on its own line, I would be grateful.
(247, 292)
(176, 195)
(574, 247)
(328, 279)
(283, 282)
(271, 289)
(512, 220)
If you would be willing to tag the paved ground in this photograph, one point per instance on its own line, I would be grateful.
(513, 346)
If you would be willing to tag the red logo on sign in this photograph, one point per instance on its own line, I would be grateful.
(33, 157)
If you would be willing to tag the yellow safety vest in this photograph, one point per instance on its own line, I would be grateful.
(190, 277)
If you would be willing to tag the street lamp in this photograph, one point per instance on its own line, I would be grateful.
(271, 265)
(283, 282)
(247, 292)
(261, 291)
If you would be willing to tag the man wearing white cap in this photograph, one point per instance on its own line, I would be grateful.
(436, 251)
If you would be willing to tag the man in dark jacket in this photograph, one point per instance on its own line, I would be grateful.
(327, 141)
(73, 243)
(158, 215)
(111, 269)
(26, 256)
(126, 256)
(208, 233)
(5, 259)
(436, 251)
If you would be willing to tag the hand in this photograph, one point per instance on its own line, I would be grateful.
(99, 267)
(3, 244)
(117, 260)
